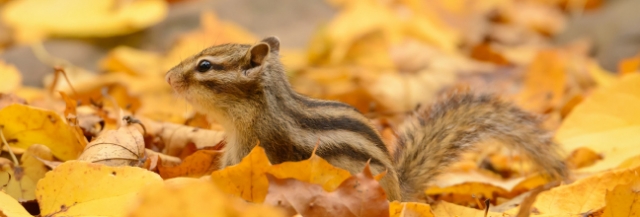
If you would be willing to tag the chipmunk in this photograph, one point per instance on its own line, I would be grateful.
(245, 89)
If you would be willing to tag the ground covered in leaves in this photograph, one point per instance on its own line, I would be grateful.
(118, 142)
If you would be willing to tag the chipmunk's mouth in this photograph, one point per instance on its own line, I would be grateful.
(175, 83)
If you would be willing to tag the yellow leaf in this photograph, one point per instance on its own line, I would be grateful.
(24, 126)
(132, 61)
(446, 209)
(409, 209)
(11, 78)
(79, 18)
(607, 122)
(314, 170)
(190, 197)
(356, 21)
(9, 207)
(246, 179)
(22, 179)
(601, 76)
(582, 196)
(623, 200)
(77, 188)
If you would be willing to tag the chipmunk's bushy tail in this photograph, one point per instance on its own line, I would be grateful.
(436, 135)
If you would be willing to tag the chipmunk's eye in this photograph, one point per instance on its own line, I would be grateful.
(204, 66)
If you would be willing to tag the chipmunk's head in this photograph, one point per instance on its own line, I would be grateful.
(225, 76)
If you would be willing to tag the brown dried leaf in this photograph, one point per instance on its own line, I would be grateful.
(121, 147)
(359, 195)
(173, 138)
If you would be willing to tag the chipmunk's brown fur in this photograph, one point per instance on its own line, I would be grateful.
(246, 90)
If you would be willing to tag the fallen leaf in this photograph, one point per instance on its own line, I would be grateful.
(173, 138)
(467, 193)
(25, 125)
(314, 170)
(409, 209)
(247, 179)
(557, 202)
(132, 61)
(601, 76)
(22, 179)
(77, 188)
(623, 200)
(544, 83)
(122, 147)
(583, 157)
(190, 197)
(196, 165)
(100, 18)
(11, 208)
(446, 209)
(607, 123)
(359, 195)
(484, 52)
(529, 183)
(166, 160)
(527, 203)
(629, 65)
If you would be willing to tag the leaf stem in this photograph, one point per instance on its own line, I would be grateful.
(4, 142)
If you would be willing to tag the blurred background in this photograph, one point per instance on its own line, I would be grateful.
(382, 56)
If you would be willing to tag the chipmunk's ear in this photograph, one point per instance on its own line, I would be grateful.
(258, 53)
(273, 42)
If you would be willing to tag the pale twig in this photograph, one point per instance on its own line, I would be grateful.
(4, 142)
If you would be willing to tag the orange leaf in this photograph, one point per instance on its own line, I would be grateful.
(544, 82)
(198, 164)
(246, 179)
(466, 193)
(629, 65)
(313, 170)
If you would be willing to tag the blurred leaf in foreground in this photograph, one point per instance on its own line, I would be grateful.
(77, 188)
(194, 198)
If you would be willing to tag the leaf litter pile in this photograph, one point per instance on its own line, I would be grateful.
(119, 142)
